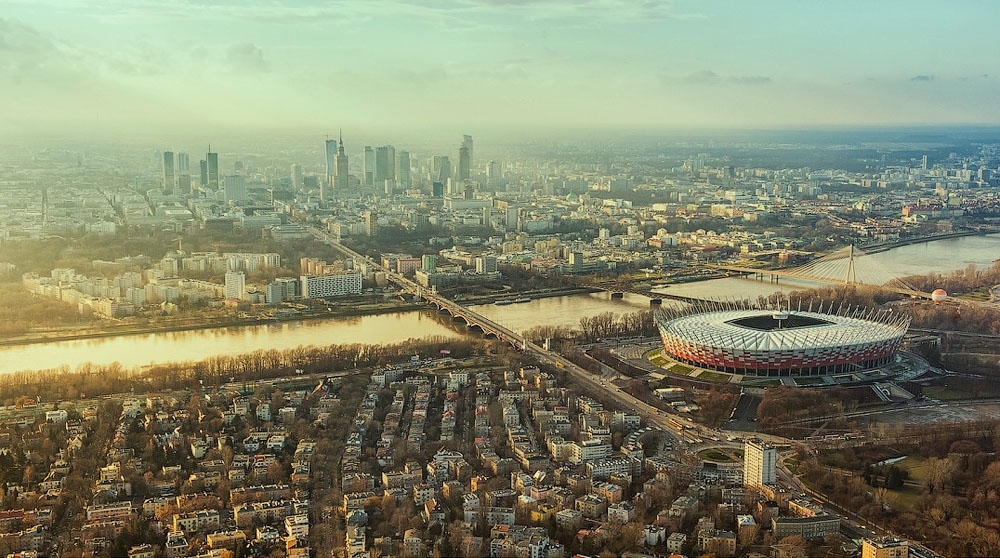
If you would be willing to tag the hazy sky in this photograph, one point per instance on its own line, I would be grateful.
(175, 65)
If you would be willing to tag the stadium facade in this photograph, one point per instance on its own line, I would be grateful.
(744, 338)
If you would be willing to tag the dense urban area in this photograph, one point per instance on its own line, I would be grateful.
(596, 439)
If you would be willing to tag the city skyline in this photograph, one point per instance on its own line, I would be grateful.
(169, 67)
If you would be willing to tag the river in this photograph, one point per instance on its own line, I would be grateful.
(941, 256)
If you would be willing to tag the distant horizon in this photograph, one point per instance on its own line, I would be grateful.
(100, 67)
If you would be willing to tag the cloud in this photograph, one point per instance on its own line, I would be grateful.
(751, 80)
(474, 13)
(709, 77)
(246, 57)
(924, 78)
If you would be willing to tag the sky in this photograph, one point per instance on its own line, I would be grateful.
(315, 66)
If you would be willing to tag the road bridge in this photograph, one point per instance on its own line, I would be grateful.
(843, 267)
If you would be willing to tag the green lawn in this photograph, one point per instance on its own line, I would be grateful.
(915, 465)
(713, 377)
(906, 498)
(681, 369)
(945, 393)
(714, 455)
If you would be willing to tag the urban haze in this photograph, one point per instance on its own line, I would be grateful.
(499, 278)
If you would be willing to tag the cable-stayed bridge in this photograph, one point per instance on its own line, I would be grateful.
(847, 266)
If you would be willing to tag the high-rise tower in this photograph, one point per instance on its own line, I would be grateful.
(403, 169)
(340, 177)
(331, 156)
(168, 171)
(385, 163)
(203, 173)
(368, 165)
(464, 162)
(759, 463)
(213, 169)
(467, 142)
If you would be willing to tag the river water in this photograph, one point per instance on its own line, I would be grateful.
(941, 256)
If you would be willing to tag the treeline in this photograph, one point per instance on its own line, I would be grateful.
(947, 316)
(961, 281)
(21, 311)
(785, 403)
(90, 380)
(955, 509)
(602, 326)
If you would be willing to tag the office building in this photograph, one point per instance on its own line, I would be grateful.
(403, 169)
(168, 171)
(183, 164)
(331, 157)
(213, 169)
(236, 189)
(184, 173)
(440, 168)
(759, 463)
(494, 174)
(467, 142)
(296, 175)
(203, 174)
(464, 163)
(385, 163)
(368, 160)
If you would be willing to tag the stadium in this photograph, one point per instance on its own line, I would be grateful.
(743, 338)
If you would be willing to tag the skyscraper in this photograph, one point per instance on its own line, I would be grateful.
(403, 169)
(464, 162)
(213, 169)
(296, 175)
(183, 164)
(236, 189)
(168, 171)
(467, 142)
(341, 177)
(331, 156)
(385, 163)
(495, 174)
(368, 159)
(759, 462)
(441, 168)
(203, 173)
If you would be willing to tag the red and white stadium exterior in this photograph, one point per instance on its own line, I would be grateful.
(846, 340)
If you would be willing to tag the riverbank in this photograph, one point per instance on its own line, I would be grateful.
(203, 323)
(886, 246)
(188, 324)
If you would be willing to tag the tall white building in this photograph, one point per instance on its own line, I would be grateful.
(236, 284)
(759, 463)
(236, 189)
